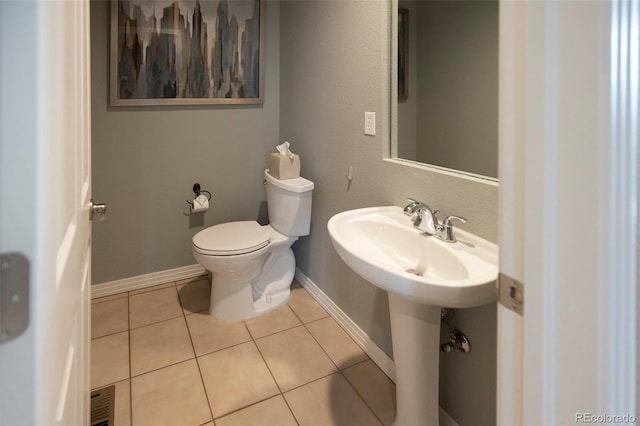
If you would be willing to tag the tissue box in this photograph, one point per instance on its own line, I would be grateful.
(282, 167)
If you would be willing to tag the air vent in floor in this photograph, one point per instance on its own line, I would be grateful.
(102, 406)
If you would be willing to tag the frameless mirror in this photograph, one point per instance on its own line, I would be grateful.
(445, 110)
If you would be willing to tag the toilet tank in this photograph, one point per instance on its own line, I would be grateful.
(289, 204)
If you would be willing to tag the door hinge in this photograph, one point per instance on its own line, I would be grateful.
(511, 293)
(14, 295)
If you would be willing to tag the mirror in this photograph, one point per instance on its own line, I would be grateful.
(446, 96)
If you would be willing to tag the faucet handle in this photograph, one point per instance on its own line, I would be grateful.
(447, 220)
(446, 230)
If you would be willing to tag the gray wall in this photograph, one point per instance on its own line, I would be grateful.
(145, 161)
(334, 67)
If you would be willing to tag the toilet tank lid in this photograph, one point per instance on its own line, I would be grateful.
(298, 184)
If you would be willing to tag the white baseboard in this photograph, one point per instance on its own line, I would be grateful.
(146, 280)
(361, 338)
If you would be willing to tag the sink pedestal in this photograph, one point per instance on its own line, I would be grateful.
(415, 334)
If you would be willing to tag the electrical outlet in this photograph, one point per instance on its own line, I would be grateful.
(370, 123)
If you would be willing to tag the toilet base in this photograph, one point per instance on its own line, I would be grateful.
(227, 309)
(235, 300)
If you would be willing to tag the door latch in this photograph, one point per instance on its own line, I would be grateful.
(97, 211)
(14, 295)
(511, 293)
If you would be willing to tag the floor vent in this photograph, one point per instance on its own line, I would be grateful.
(102, 406)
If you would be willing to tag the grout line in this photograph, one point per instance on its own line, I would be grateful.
(157, 322)
(222, 349)
(251, 405)
(267, 365)
(321, 348)
(361, 397)
(284, 398)
(340, 370)
(164, 366)
(269, 369)
(110, 334)
(193, 347)
(275, 332)
(206, 394)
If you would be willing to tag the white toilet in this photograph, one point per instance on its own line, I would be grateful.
(252, 266)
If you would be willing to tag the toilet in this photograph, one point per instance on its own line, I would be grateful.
(252, 265)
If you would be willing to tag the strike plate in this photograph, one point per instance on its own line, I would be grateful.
(14, 295)
(511, 293)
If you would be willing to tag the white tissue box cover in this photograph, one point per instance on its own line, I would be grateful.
(282, 167)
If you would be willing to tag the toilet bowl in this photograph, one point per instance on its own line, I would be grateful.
(252, 265)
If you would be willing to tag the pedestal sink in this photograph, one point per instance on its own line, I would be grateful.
(421, 274)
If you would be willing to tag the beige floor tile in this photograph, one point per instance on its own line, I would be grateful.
(273, 411)
(154, 306)
(170, 396)
(329, 401)
(109, 359)
(209, 334)
(195, 295)
(159, 345)
(377, 390)
(122, 414)
(341, 348)
(281, 319)
(111, 297)
(305, 306)
(235, 378)
(109, 317)
(294, 358)
(152, 288)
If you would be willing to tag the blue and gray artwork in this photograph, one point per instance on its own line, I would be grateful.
(188, 49)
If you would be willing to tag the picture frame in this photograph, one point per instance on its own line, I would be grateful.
(403, 53)
(185, 52)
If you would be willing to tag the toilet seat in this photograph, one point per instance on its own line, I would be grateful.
(231, 238)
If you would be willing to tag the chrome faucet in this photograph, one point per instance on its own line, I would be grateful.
(423, 218)
(426, 220)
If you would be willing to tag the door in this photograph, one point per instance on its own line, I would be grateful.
(569, 115)
(44, 207)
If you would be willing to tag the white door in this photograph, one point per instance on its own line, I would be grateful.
(45, 190)
(569, 117)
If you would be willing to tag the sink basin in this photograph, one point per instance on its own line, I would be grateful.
(381, 245)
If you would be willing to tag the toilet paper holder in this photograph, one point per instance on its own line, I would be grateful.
(197, 191)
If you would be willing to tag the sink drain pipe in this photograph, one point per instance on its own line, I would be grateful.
(457, 339)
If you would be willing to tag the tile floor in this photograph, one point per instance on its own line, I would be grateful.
(173, 364)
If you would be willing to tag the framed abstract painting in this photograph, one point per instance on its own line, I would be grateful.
(186, 52)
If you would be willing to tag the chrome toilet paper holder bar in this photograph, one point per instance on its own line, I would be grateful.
(197, 191)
